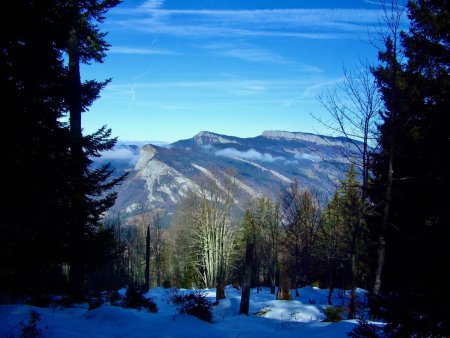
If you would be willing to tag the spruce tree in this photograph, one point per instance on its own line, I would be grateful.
(351, 204)
(52, 202)
(332, 247)
(416, 297)
(34, 195)
(85, 43)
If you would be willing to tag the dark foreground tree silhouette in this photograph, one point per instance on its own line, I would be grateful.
(53, 202)
(415, 295)
(85, 43)
(34, 194)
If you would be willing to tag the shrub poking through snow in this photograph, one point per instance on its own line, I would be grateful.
(261, 312)
(95, 300)
(194, 304)
(134, 298)
(333, 313)
(30, 330)
(366, 330)
(95, 303)
(114, 298)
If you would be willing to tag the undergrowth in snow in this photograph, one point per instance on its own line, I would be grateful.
(268, 317)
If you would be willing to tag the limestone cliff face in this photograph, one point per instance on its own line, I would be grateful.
(310, 138)
(164, 184)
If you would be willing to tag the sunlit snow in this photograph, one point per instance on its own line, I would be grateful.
(302, 317)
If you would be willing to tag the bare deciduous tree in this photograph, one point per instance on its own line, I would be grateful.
(300, 215)
(353, 107)
(211, 230)
(263, 228)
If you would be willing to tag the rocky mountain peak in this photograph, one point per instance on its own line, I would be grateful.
(206, 137)
(147, 152)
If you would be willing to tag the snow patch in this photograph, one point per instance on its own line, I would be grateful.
(175, 185)
(249, 190)
(273, 172)
(132, 207)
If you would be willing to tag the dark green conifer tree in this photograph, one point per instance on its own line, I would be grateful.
(85, 43)
(52, 202)
(415, 135)
(35, 152)
(352, 213)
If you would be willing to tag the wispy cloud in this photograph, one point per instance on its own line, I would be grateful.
(231, 86)
(132, 89)
(256, 84)
(373, 2)
(251, 155)
(301, 23)
(247, 53)
(152, 4)
(184, 30)
(291, 101)
(238, 87)
(120, 154)
(139, 51)
(309, 157)
(312, 90)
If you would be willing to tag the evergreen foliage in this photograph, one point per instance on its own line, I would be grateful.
(300, 214)
(33, 197)
(416, 95)
(262, 227)
(134, 298)
(333, 313)
(31, 329)
(195, 304)
(49, 188)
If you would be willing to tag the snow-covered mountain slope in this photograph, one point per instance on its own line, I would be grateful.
(161, 176)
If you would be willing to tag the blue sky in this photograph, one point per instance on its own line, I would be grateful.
(235, 67)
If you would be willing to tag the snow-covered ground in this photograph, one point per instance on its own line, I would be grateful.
(268, 317)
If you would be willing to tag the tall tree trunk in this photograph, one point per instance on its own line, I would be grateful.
(390, 170)
(385, 221)
(147, 259)
(76, 275)
(380, 262)
(273, 275)
(330, 281)
(353, 275)
(247, 279)
(220, 289)
(221, 268)
(284, 290)
(158, 269)
(353, 266)
(354, 259)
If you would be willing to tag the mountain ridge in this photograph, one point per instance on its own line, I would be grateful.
(261, 165)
